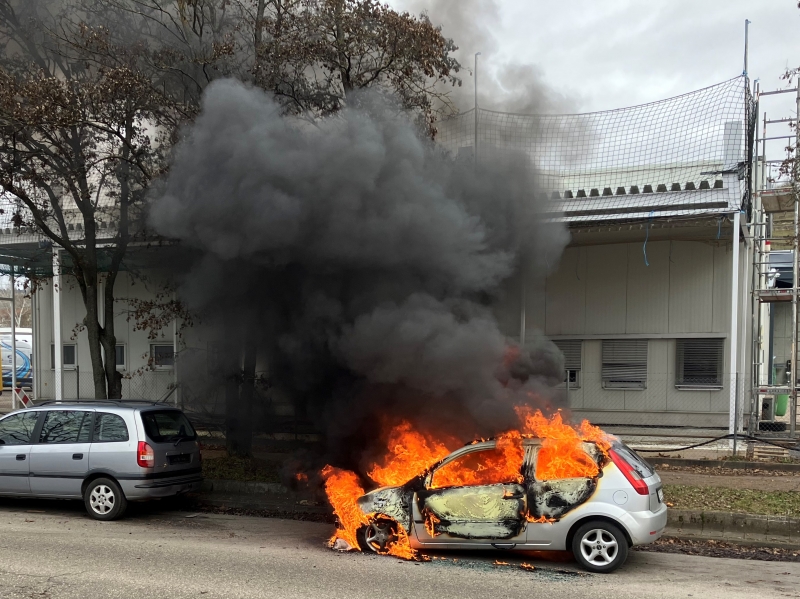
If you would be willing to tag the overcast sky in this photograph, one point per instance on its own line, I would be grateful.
(601, 54)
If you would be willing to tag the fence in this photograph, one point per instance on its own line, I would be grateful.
(599, 165)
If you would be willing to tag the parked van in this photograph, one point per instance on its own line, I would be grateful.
(104, 452)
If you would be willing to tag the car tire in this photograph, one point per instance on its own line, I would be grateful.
(599, 546)
(104, 499)
(376, 536)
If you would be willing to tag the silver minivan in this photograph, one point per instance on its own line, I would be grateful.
(105, 452)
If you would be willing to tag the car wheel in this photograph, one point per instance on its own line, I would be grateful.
(599, 547)
(104, 499)
(377, 536)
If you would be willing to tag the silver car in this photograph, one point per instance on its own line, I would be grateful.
(104, 452)
(598, 517)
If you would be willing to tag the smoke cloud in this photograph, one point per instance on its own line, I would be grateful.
(363, 258)
(505, 84)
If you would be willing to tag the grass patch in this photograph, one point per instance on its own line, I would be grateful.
(241, 469)
(770, 503)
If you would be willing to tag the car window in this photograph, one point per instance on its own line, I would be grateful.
(66, 426)
(109, 428)
(485, 467)
(167, 425)
(634, 459)
(17, 429)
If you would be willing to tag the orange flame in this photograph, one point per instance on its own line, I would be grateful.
(485, 468)
(539, 520)
(409, 454)
(430, 523)
(561, 454)
(343, 490)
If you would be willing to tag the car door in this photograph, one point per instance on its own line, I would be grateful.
(468, 501)
(550, 498)
(16, 433)
(59, 459)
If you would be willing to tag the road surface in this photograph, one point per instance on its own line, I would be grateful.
(52, 550)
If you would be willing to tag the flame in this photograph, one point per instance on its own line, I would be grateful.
(430, 523)
(301, 477)
(402, 547)
(539, 520)
(484, 468)
(561, 454)
(343, 490)
(409, 454)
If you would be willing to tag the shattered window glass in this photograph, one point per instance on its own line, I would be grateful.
(487, 467)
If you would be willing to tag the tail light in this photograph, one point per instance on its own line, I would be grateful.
(637, 482)
(145, 456)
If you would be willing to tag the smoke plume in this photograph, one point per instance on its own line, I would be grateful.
(363, 258)
(505, 84)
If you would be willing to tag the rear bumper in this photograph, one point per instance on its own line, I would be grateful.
(166, 487)
(646, 527)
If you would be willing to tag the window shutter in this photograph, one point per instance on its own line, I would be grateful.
(698, 362)
(572, 353)
(625, 363)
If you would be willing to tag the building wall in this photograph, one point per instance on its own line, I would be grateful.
(141, 380)
(661, 292)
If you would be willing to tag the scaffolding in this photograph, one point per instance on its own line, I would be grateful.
(775, 226)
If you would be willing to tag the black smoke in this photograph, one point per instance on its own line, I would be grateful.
(363, 259)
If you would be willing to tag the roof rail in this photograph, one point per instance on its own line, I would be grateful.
(51, 402)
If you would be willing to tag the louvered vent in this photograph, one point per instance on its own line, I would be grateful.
(572, 353)
(625, 364)
(698, 363)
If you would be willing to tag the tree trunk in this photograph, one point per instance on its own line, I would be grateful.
(247, 395)
(94, 333)
(239, 391)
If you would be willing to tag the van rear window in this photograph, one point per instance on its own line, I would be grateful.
(164, 426)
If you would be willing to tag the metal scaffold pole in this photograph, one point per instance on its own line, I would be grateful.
(795, 271)
(776, 232)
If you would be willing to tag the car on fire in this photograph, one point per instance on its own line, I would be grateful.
(596, 517)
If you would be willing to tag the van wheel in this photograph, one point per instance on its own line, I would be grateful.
(599, 547)
(104, 500)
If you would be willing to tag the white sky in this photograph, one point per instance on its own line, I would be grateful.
(612, 53)
(587, 55)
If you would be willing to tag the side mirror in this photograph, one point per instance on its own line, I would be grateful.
(2, 442)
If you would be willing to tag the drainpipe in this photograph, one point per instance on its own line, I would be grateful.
(57, 337)
(734, 329)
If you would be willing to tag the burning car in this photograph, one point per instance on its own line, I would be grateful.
(597, 500)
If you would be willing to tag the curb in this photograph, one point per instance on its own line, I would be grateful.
(735, 527)
(724, 465)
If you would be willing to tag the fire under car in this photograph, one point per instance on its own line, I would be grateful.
(597, 517)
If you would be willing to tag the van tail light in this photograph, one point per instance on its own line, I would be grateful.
(145, 456)
(630, 473)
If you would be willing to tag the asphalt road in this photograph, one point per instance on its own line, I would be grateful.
(52, 550)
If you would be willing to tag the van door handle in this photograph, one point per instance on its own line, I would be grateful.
(20, 457)
(77, 456)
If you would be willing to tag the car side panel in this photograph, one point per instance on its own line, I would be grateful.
(58, 469)
(117, 459)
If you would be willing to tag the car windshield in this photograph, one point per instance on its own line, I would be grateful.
(167, 425)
